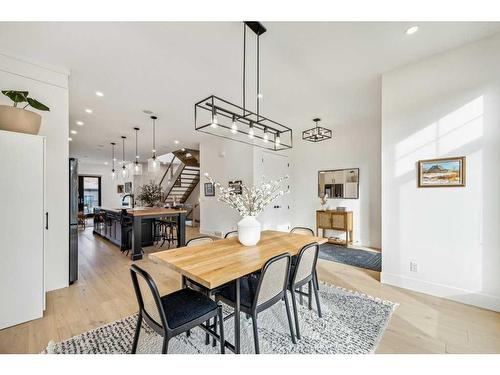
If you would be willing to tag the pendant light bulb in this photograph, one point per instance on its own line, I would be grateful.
(278, 140)
(113, 174)
(234, 127)
(215, 121)
(137, 170)
(251, 132)
(266, 136)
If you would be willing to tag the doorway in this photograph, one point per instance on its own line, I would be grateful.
(89, 194)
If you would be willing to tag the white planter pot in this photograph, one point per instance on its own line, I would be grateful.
(249, 231)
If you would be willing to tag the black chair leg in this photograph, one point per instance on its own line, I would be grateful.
(136, 334)
(164, 349)
(255, 334)
(222, 339)
(188, 333)
(295, 312)
(316, 297)
(300, 296)
(309, 295)
(316, 280)
(214, 341)
(207, 336)
(289, 316)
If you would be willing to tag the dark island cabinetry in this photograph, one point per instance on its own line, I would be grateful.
(116, 226)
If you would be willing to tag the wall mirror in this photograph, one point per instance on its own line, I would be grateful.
(339, 183)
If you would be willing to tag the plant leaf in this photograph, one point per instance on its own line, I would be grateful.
(16, 96)
(37, 105)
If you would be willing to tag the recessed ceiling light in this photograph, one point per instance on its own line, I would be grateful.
(147, 111)
(176, 142)
(105, 163)
(80, 123)
(70, 139)
(99, 93)
(88, 110)
(412, 30)
(73, 132)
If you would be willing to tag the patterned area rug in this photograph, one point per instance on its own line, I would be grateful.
(352, 323)
(371, 260)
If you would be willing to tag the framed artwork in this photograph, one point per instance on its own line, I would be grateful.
(209, 189)
(236, 186)
(128, 187)
(445, 172)
(120, 189)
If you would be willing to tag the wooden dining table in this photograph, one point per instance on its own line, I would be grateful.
(223, 261)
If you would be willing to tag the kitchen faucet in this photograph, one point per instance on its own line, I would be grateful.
(131, 199)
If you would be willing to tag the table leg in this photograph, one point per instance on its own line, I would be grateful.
(137, 238)
(181, 230)
(237, 319)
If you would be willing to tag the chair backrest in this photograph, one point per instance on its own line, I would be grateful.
(199, 241)
(273, 280)
(148, 297)
(302, 230)
(232, 234)
(306, 262)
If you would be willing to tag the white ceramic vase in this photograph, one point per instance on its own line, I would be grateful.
(249, 231)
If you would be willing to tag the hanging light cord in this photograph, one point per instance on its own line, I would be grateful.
(123, 152)
(136, 161)
(113, 154)
(258, 77)
(154, 136)
(244, 66)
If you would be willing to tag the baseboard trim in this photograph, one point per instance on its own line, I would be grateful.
(483, 300)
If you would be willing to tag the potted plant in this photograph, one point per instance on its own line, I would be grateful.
(151, 195)
(16, 119)
(250, 203)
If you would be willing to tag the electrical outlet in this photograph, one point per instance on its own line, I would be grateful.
(413, 267)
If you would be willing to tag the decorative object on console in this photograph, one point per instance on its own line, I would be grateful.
(153, 162)
(323, 201)
(316, 134)
(150, 194)
(209, 189)
(219, 117)
(21, 120)
(444, 172)
(249, 204)
(339, 183)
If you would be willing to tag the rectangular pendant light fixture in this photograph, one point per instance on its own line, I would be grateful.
(224, 119)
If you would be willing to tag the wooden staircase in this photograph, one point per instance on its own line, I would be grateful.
(185, 176)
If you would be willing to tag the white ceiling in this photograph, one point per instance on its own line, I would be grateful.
(325, 69)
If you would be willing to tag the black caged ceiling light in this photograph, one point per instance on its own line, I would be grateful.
(317, 134)
(219, 117)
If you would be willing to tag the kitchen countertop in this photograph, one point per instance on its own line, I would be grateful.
(144, 211)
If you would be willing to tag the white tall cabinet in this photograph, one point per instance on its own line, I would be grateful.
(22, 227)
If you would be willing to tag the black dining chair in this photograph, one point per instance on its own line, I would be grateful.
(231, 234)
(302, 273)
(259, 294)
(174, 313)
(307, 232)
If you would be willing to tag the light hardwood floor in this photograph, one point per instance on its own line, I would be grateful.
(103, 293)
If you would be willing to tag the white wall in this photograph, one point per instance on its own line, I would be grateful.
(224, 161)
(447, 105)
(50, 86)
(110, 197)
(354, 145)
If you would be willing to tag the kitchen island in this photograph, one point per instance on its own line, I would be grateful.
(134, 228)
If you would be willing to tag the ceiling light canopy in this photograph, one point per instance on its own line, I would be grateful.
(317, 134)
(219, 117)
(412, 30)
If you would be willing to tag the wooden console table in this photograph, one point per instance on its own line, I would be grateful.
(336, 220)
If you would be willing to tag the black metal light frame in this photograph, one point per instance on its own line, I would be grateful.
(236, 122)
(317, 134)
(226, 112)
